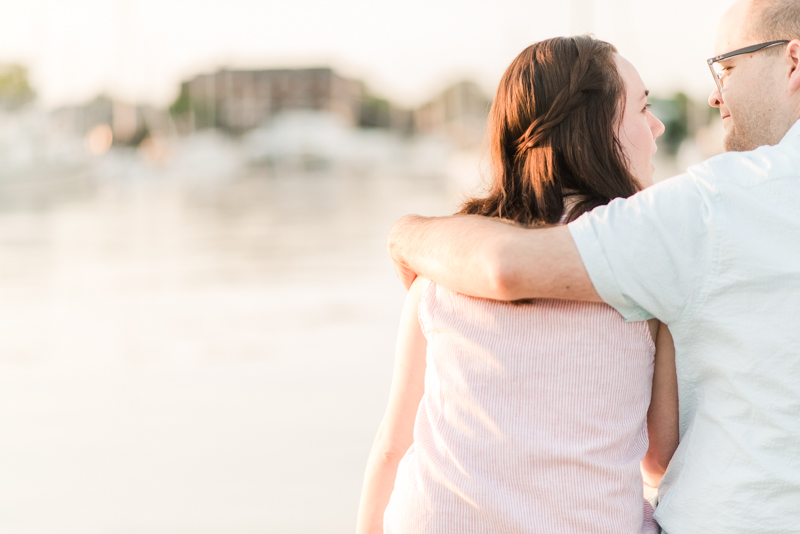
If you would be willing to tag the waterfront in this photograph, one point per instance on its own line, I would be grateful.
(198, 357)
(197, 312)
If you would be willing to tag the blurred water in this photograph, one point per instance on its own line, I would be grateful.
(198, 336)
(205, 357)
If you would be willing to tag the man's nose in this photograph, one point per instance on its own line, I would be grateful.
(715, 98)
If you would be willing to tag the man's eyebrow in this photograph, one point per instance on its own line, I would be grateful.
(646, 93)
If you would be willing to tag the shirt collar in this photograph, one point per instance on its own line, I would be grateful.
(793, 132)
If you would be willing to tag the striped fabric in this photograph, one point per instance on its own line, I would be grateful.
(533, 420)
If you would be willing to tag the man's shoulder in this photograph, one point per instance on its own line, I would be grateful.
(748, 169)
(672, 190)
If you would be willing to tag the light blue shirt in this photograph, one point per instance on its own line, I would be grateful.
(715, 254)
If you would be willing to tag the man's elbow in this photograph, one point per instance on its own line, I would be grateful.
(507, 261)
(399, 231)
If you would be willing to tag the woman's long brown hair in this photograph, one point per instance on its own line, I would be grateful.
(551, 133)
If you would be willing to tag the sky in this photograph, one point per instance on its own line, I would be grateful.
(140, 50)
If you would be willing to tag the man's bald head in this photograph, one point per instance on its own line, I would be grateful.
(772, 20)
(761, 99)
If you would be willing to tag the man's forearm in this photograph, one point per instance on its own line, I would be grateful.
(453, 251)
(490, 258)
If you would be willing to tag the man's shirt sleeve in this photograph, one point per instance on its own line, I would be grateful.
(650, 255)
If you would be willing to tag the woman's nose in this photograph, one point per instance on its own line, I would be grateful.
(658, 128)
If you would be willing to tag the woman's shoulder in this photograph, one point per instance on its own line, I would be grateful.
(443, 308)
(418, 286)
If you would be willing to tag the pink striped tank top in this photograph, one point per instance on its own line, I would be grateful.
(533, 420)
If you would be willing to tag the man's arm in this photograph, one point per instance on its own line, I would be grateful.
(490, 258)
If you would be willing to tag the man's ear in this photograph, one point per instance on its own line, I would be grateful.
(793, 58)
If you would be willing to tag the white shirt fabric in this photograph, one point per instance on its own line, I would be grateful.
(715, 254)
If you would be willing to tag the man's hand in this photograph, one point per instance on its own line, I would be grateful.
(406, 275)
(398, 236)
(486, 257)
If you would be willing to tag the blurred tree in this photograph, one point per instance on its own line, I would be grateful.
(674, 113)
(202, 113)
(182, 104)
(15, 90)
(375, 112)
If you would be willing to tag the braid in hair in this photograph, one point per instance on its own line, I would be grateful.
(551, 133)
(568, 100)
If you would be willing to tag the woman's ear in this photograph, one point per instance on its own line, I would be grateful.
(792, 56)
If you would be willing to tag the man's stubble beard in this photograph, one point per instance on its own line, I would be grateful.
(752, 127)
(747, 133)
(738, 141)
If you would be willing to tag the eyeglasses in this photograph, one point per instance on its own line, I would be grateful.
(718, 71)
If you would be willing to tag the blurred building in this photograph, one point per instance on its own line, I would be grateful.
(239, 100)
(459, 112)
(127, 124)
(77, 120)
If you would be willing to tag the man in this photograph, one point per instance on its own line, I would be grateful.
(715, 254)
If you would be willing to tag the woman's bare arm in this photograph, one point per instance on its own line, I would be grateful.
(396, 432)
(662, 417)
(486, 257)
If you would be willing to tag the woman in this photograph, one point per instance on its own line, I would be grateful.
(534, 416)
